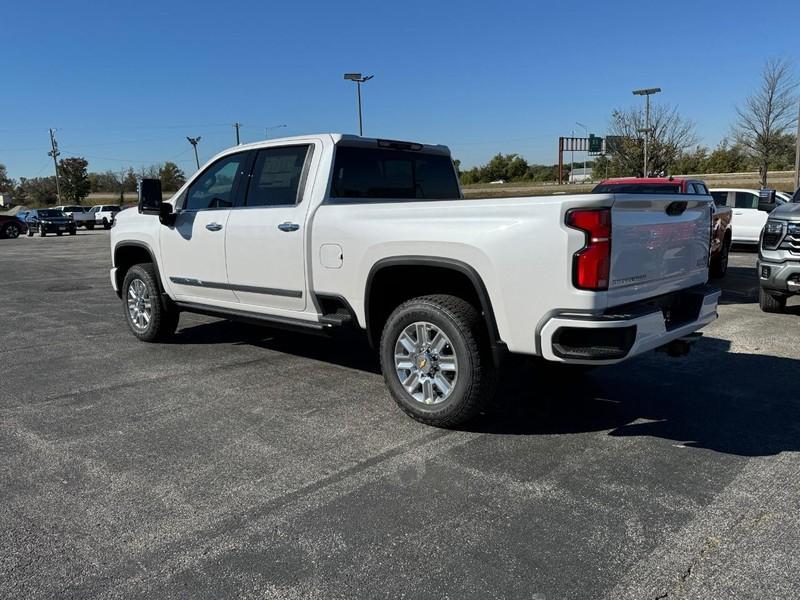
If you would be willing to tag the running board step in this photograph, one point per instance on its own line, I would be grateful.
(336, 319)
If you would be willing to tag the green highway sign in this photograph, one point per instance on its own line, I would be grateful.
(595, 143)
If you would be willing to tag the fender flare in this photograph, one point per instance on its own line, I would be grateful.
(498, 347)
(137, 244)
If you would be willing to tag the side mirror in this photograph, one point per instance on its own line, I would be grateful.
(150, 198)
(766, 200)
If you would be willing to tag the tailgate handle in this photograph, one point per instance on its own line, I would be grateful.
(676, 208)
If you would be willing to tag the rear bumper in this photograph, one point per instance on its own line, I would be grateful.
(625, 331)
(779, 276)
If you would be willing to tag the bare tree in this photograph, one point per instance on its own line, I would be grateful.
(767, 115)
(670, 135)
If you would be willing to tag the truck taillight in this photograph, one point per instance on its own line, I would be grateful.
(592, 263)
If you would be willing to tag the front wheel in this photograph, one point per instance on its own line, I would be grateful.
(106, 224)
(771, 303)
(435, 360)
(42, 232)
(148, 318)
(89, 226)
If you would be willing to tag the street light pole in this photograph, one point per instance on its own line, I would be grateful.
(193, 142)
(646, 92)
(586, 131)
(359, 79)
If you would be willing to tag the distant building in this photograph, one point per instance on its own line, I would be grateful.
(580, 175)
(5, 200)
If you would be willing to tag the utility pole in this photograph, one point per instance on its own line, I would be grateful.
(797, 154)
(646, 92)
(359, 79)
(193, 142)
(236, 126)
(54, 153)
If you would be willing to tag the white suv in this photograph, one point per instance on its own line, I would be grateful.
(749, 214)
(104, 214)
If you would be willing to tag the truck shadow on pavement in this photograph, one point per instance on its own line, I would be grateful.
(739, 286)
(741, 404)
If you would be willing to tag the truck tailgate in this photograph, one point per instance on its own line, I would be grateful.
(659, 243)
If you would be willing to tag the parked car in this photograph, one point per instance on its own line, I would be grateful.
(779, 258)
(104, 214)
(11, 226)
(49, 220)
(79, 214)
(722, 237)
(783, 196)
(318, 232)
(749, 212)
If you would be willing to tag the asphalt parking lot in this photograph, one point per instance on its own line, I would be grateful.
(246, 462)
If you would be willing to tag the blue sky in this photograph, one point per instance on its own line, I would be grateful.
(125, 82)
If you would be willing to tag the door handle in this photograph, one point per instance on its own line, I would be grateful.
(288, 226)
(214, 226)
(738, 213)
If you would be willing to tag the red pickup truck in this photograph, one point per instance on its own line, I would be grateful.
(721, 219)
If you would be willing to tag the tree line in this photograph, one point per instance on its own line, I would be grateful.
(76, 182)
(762, 138)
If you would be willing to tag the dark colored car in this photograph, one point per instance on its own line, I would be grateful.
(49, 220)
(11, 226)
(722, 235)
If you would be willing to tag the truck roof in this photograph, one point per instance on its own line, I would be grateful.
(649, 180)
(348, 139)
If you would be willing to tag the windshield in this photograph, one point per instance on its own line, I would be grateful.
(637, 188)
(73, 209)
(51, 213)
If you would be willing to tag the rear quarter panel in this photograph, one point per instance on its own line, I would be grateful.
(518, 246)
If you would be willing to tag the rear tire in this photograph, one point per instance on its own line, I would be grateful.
(106, 224)
(89, 226)
(30, 232)
(42, 232)
(150, 318)
(11, 231)
(771, 303)
(435, 360)
(719, 264)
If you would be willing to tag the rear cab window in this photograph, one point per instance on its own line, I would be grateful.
(399, 172)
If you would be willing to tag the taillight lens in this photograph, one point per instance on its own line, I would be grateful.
(591, 264)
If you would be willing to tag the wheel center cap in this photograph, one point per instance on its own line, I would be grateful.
(424, 362)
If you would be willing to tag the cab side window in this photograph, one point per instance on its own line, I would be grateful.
(276, 176)
(720, 198)
(214, 188)
(746, 200)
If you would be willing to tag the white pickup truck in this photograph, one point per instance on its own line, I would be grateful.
(324, 231)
